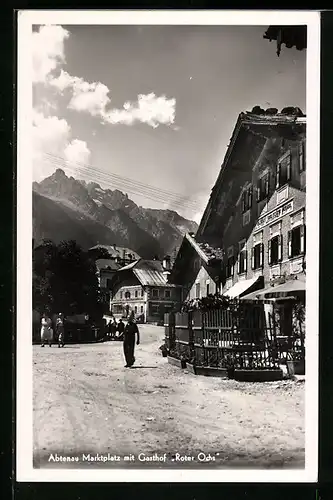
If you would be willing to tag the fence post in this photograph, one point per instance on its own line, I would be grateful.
(190, 336)
(168, 330)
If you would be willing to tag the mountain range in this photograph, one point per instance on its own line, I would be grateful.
(66, 208)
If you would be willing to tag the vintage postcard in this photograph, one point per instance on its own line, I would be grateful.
(167, 246)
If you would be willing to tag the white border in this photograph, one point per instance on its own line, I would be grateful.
(24, 468)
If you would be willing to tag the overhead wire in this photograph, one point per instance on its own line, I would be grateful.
(171, 203)
(120, 182)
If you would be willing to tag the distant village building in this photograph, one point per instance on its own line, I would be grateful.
(252, 233)
(142, 288)
(106, 268)
(119, 254)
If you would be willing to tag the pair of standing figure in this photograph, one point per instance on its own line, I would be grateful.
(47, 330)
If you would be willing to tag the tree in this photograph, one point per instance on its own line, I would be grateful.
(44, 257)
(65, 280)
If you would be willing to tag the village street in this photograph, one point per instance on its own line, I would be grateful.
(85, 401)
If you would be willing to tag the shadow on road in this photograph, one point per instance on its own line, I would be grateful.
(147, 367)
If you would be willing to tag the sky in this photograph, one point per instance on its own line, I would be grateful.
(150, 110)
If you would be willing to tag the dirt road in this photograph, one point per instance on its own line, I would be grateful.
(86, 402)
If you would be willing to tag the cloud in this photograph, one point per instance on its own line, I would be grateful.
(93, 98)
(52, 134)
(48, 51)
(77, 151)
(52, 142)
(148, 109)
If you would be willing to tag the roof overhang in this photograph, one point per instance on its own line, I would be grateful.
(291, 289)
(290, 36)
(241, 287)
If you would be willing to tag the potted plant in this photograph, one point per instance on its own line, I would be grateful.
(175, 358)
(296, 362)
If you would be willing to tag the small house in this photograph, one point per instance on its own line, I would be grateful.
(143, 288)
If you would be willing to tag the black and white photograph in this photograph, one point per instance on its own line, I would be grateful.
(167, 251)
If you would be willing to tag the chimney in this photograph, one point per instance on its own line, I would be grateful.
(166, 263)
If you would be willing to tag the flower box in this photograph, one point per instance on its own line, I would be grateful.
(296, 367)
(180, 363)
(264, 375)
(207, 371)
(190, 368)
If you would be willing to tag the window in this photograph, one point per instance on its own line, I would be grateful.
(301, 153)
(263, 187)
(167, 294)
(197, 290)
(242, 262)
(257, 257)
(283, 172)
(135, 309)
(155, 293)
(121, 295)
(275, 250)
(127, 295)
(296, 241)
(141, 309)
(230, 267)
(207, 289)
(247, 199)
(154, 309)
(117, 309)
(136, 293)
(141, 292)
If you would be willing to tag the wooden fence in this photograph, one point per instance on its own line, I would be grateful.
(244, 335)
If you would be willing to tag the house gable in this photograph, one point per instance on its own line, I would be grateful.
(258, 142)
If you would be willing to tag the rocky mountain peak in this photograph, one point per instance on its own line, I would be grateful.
(130, 225)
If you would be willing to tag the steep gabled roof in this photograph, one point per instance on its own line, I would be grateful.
(264, 123)
(148, 272)
(204, 250)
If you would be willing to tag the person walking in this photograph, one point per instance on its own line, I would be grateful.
(130, 330)
(60, 330)
(46, 333)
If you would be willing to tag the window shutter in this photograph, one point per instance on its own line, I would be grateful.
(261, 256)
(280, 248)
(300, 156)
(269, 252)
(245, 261)
(252, 257)
(239, 262)
(289, 244)
(289, 168)
(250, 195)
(243, 201)
(232, 266)
(302, 243)
(258, 190)
(278, 175)
(267, 185)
